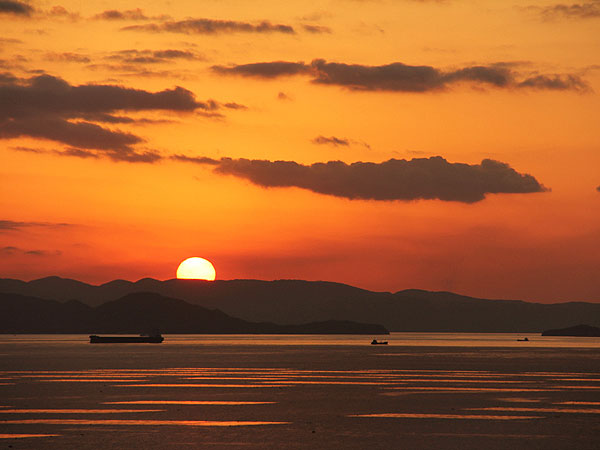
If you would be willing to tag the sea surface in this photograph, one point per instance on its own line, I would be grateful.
(421, 391)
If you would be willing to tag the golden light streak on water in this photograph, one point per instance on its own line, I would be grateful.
(21, 436)
(93, 380)
(465, 389)
(553, 410)
(578, 403)
(77, 411)
(185, 402)
(204, 385)
(188, 423)
(443, 416)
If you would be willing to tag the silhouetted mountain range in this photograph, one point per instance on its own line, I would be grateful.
(296, 302)
(143, 312)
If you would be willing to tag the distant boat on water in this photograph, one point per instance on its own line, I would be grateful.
(523, 340)
(143, 339)
(376, 342)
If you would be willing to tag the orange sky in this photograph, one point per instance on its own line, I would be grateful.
(89, 127)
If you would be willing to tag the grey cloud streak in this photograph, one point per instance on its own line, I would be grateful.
(335, 141)
(211, 26)
(134, 56)
(582, 10)
(114, 14)
(274, 69)
(399, 77)
(14, 225)
(12, 251)
(419, 178)
(316, 29)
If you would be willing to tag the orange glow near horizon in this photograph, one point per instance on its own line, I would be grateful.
(196, 269)
(95, 184)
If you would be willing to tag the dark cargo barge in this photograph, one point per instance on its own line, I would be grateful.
(126, 339)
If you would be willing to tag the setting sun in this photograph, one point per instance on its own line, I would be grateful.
(196, 269)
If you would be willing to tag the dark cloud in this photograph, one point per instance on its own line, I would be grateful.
(598, 188)
(12, 251)
(78, 134)
(76, 152)
(322, 140)
(152, 56)
(137, 70)
(130, 14)
(173, 54)
(422, 178)
(555, 82)
(13, 225)
(45, 94)
(264, 70)
(316, 29)
(107, 118)
(211, 26)
(28, 149)
(401, 77)
(68, 57)
(195, 159)
(46, 107)
(62, 12)
(15, 7)
(583, 10)
(233, 105)
(114, 154)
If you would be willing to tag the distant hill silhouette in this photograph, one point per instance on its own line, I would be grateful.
(297, 301)
(142, 312)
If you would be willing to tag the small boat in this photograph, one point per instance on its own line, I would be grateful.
(142, 339)
(376, 342)
(523, 340)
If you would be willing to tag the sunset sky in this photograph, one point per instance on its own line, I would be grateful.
(388, 144)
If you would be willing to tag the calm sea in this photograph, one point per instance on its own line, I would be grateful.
(421, 391)
(396, 339)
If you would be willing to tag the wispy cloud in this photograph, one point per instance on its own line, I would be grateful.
(134, 56)
(129, 14)
(67, 57)
(211, 26)
(64, 13)
(316, 29)
(399, 77)
(14, 251)
(273, 69)
(581, 10)
(322, 140)
(338, 142)
(14, 225)
(422, 178)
